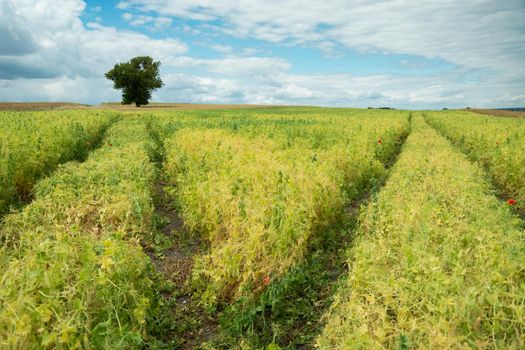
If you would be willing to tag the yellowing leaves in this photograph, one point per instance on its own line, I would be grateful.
(73, 262)
(33, 144)
(451, 282)
(106, 262)
(259, 195)
(497, 143)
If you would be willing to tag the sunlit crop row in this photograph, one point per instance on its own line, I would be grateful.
(438, 262)
(497, 143)
(74, 274)
(437, 257)
(259, 190)
(32, 144)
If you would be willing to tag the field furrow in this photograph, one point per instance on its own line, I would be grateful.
(287, 313)
(261, 228)
(438, 261)
(75, 274)
(259, 199)
(262, 190)
(498, 144)
(33, 144)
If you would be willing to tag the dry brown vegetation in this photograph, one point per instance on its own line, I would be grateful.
(39, 106)
(499, 112)
(183, 106)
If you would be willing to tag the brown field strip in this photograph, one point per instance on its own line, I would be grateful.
(498, 112)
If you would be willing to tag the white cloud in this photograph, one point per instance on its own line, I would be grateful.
(222, 48)
(122, 5)
(483, 38)
(78, 90)
(111, 45)
(181, 87)
(69, 48)
(48, 53)
(328, 90)
(154, 23)
(511, 97)
(233, 66)
(187, 29)
(50, 17)
(16, 36)
(472, 34)
(262, 66)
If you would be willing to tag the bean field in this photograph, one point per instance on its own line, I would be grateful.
(261, 228)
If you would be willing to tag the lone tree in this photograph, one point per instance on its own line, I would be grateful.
(137, 79)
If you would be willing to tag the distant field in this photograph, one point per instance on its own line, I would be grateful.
(500, 112)
(36, 106)
(180, 226)
(39, 106)
(183, 106)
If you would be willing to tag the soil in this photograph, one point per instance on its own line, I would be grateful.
(498, 112)
(176, 264)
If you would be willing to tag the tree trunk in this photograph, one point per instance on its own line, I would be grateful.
(137, 104)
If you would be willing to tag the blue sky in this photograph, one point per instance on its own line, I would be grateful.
(400, 53)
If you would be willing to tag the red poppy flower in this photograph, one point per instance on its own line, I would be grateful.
(266, 280)
(511, 201)
(110, 145)
(380, 141)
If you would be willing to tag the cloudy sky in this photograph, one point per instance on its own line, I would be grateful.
(401, 53)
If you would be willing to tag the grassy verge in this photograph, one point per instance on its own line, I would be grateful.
(438, 261)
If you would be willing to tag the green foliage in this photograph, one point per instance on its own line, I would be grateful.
(438, 262)
(497, 143)
(137, 79)
(260, 192)
(33, 144)
(75, 275)
(288, 312)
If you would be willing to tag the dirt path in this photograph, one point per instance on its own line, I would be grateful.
(194, 326)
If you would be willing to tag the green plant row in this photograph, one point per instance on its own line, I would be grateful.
(33, 144)
(259, 196)
(437, 262)
(286, 125)
(497, 143)
(74, 273)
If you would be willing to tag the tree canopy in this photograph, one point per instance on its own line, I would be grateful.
(137, 79)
